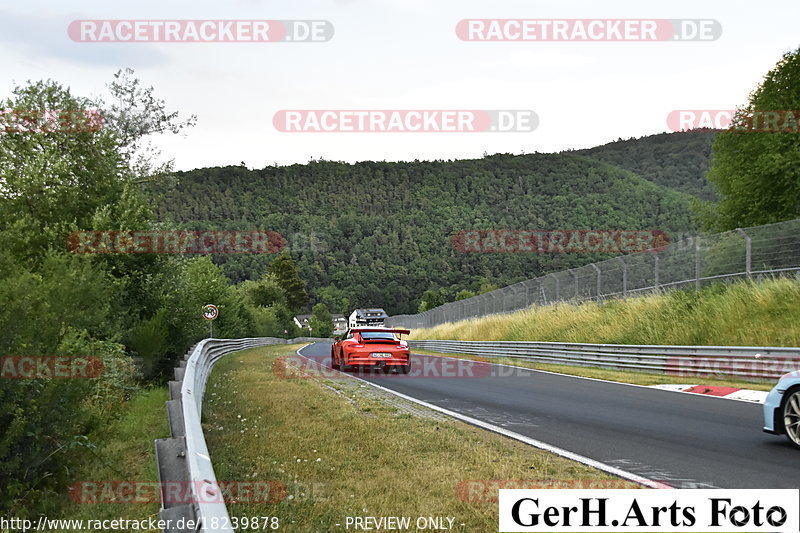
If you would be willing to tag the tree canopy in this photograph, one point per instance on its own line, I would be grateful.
(757, 171)
(378, 234)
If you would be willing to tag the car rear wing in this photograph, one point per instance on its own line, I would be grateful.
(382, 330)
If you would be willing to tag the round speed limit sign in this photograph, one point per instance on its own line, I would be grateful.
(210, 312)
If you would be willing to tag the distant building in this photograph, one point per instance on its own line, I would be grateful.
(368, 317)
(302, 320)
(339, 323)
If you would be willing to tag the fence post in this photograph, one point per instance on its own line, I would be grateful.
(558, 287)
(597, 269)
(748, 252)
(697, 262)
(655, 268)
(624, 277)
(575, 275)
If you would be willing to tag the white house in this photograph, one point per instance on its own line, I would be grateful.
(302, 320)
(339, 323)
(367, 317)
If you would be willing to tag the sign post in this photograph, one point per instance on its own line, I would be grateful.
(210, 313)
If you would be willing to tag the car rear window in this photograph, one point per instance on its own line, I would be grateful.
(377, 335)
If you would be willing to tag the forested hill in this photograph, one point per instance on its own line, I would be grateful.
(675, 160)
(378, 233)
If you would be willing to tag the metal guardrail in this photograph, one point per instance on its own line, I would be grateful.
(183, 458)
(748, 362)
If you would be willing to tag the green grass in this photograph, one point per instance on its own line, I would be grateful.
(124, 452)
(738, 314)
(340, 454)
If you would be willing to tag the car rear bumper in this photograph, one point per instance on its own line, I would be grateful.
(367, 360)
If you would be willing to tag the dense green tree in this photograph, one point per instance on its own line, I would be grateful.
(266, 321)
(486, 286)
(287, 275)
(321, 322)
(149, 342)
(464, 294)
(335, 299)
(757, 173)
(75, 176)
(265, 292)
(432, 298)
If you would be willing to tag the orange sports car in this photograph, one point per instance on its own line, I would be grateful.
(371, 348)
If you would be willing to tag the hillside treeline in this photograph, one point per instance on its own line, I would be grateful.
(379, 233)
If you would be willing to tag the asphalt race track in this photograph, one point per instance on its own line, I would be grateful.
(683, 440)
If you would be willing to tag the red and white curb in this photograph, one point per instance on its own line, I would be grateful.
(731, 393)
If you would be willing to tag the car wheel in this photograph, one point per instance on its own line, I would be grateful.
(334, 364)
(406, 368)
(791, 417)
(342, 365)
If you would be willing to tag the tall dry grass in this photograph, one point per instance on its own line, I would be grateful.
(738, 314)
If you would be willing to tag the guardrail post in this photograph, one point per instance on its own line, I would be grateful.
(748, 252)
(697, 262)
(599, 285)
(624, 278)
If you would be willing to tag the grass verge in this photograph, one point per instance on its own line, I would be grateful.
(341, 454)
(123, 451)
(737, 314)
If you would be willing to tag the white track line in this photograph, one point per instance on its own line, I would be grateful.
(516, 436)
(650, 387)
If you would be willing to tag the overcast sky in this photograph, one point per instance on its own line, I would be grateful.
(405, 54)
